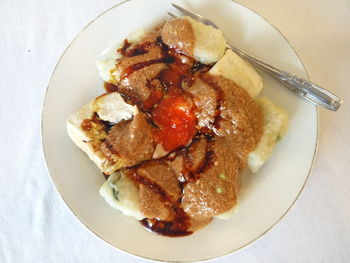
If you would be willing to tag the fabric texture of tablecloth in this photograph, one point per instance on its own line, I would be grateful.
(36, 225)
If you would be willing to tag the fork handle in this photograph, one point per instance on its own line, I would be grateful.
(302, 87)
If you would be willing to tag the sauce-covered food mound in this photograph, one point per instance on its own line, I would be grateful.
(178, 123)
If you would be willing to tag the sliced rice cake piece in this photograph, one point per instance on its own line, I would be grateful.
(275, 127)
(204, 43)
(233, 67)
(88, 132)
(122, 194)
(106, 65)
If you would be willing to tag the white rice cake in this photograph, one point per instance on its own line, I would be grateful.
(233, 67)
(106, 64)
(110, 107)
(209, 44)
(275, 127)
(121, 194)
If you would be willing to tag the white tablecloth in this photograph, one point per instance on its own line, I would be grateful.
(35, 224)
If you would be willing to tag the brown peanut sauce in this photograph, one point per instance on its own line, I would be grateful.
(179, 222)
(206, 159)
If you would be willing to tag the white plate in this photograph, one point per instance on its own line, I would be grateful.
(265, 197)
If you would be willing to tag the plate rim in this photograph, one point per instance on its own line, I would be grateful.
(84, 224)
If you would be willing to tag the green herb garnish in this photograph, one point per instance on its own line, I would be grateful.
(115, 193)
(222, 176)
(219, 190)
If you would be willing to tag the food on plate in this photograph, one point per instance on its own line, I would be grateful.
(275, 127)
(232, 67)
(203, 43)
(106, 65)
(122, 194)
(88, 127)
(177, 125)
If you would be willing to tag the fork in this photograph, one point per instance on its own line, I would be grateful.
(302, 87)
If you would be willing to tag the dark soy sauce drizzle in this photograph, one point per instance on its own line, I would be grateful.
(140, 49)
(124, 48)
(209, 156)
(105, 176)
(171, 79)
(192, 174)
(179, 225)
(175, 228)
(219, 98)
(86, 125)
(109, 87)
(141, 65)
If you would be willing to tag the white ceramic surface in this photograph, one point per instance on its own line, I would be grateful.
(265, 197)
